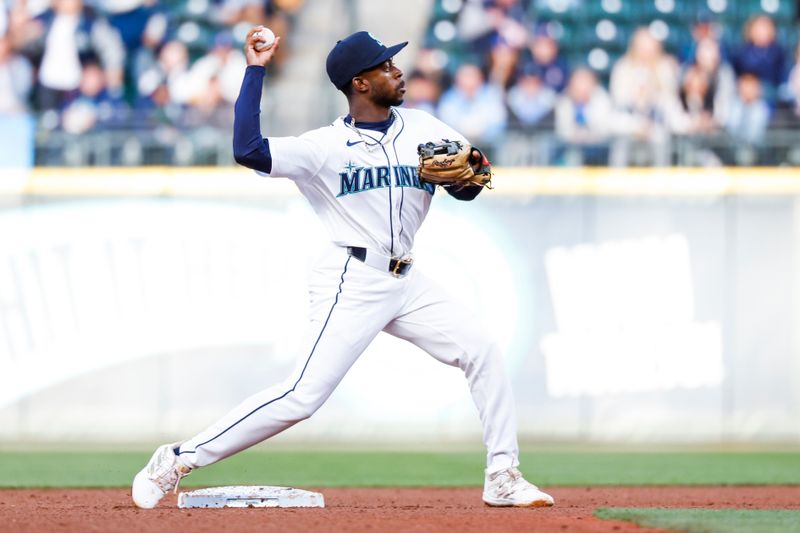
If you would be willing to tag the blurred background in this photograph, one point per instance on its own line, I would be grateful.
(637, 260)
(537, 82)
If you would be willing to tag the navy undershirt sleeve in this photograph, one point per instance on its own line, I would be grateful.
(249, 148)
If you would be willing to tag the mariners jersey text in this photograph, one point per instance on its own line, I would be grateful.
(361, 179)
(362, 183)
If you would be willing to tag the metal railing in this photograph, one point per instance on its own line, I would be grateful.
(780, 147)
(209, 145)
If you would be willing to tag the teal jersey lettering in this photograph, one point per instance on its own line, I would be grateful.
(362, 179)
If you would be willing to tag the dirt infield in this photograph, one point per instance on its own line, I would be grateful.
(372, 510)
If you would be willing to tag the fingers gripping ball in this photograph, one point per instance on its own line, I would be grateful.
(453, 163)
(264, 39)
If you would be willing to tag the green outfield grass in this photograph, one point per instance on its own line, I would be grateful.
(709, 521)
(386, 468)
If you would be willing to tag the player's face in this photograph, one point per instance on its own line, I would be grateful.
(387, 86)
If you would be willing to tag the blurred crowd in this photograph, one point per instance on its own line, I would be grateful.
(511, 74)
(128, 64)
(495, 68)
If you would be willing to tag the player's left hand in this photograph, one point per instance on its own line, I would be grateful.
(453, 163)
(253, 56)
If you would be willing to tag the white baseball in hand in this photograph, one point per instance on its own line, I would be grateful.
(264, 39)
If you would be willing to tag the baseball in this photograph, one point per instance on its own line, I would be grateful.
(265, 39)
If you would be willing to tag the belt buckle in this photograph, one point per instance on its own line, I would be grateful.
(398, 264)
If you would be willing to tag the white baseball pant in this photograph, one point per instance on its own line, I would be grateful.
(351, 303)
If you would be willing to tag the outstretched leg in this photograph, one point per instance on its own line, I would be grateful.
(435, 322)
(432, 320)
(344, 320)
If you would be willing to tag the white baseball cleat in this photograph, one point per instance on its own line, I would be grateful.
(507, 488)
(161, 475)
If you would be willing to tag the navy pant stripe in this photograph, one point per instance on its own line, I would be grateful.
(335, 301)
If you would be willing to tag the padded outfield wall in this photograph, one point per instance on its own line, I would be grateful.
(637, 305)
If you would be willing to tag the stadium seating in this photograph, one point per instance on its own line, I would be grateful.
(581, 26)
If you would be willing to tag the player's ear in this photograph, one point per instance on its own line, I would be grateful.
(360, 85)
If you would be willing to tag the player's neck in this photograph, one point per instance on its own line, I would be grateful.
(368, 112)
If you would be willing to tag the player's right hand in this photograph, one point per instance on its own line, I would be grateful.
(253, 56)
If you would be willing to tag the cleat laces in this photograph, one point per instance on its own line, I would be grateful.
(166, 471)
(510, 481)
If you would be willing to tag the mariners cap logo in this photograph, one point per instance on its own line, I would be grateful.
(374, 38)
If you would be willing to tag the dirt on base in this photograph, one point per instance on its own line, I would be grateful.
(372, 510)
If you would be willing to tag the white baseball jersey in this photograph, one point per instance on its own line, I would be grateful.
(363, 184)
(365, 188)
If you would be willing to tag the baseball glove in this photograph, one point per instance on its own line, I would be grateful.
(453, 163)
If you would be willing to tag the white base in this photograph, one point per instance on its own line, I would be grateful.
(249, 496)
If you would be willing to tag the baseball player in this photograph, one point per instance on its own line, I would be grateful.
(360, 176)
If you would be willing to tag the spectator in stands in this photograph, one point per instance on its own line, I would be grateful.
(475, 108)
(16, 79)
(792, 87)
(209, 109)
(584, 118)
(222, 63)
(432, 64)
(503, 61)
(61, 39)
(529, 99)
(720, 77)
(214, 81)
(93, 105)
(16, 123)
(644, 87)
(699, 118)
(166, 88)
(697, 101)
(173, 68)
(545, 56)
(703, 28)
(484, 23)
(421, 92)
(145, 58)
(3, 19)
(17, 23)
(750, 113)
(129, 18)
(132, 20)
(762, 55)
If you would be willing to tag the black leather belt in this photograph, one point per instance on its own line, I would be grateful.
(399, 267)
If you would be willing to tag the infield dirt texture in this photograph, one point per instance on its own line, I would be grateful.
(374, 510)
(394, 503)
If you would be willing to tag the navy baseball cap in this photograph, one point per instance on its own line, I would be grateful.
(355, 54)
